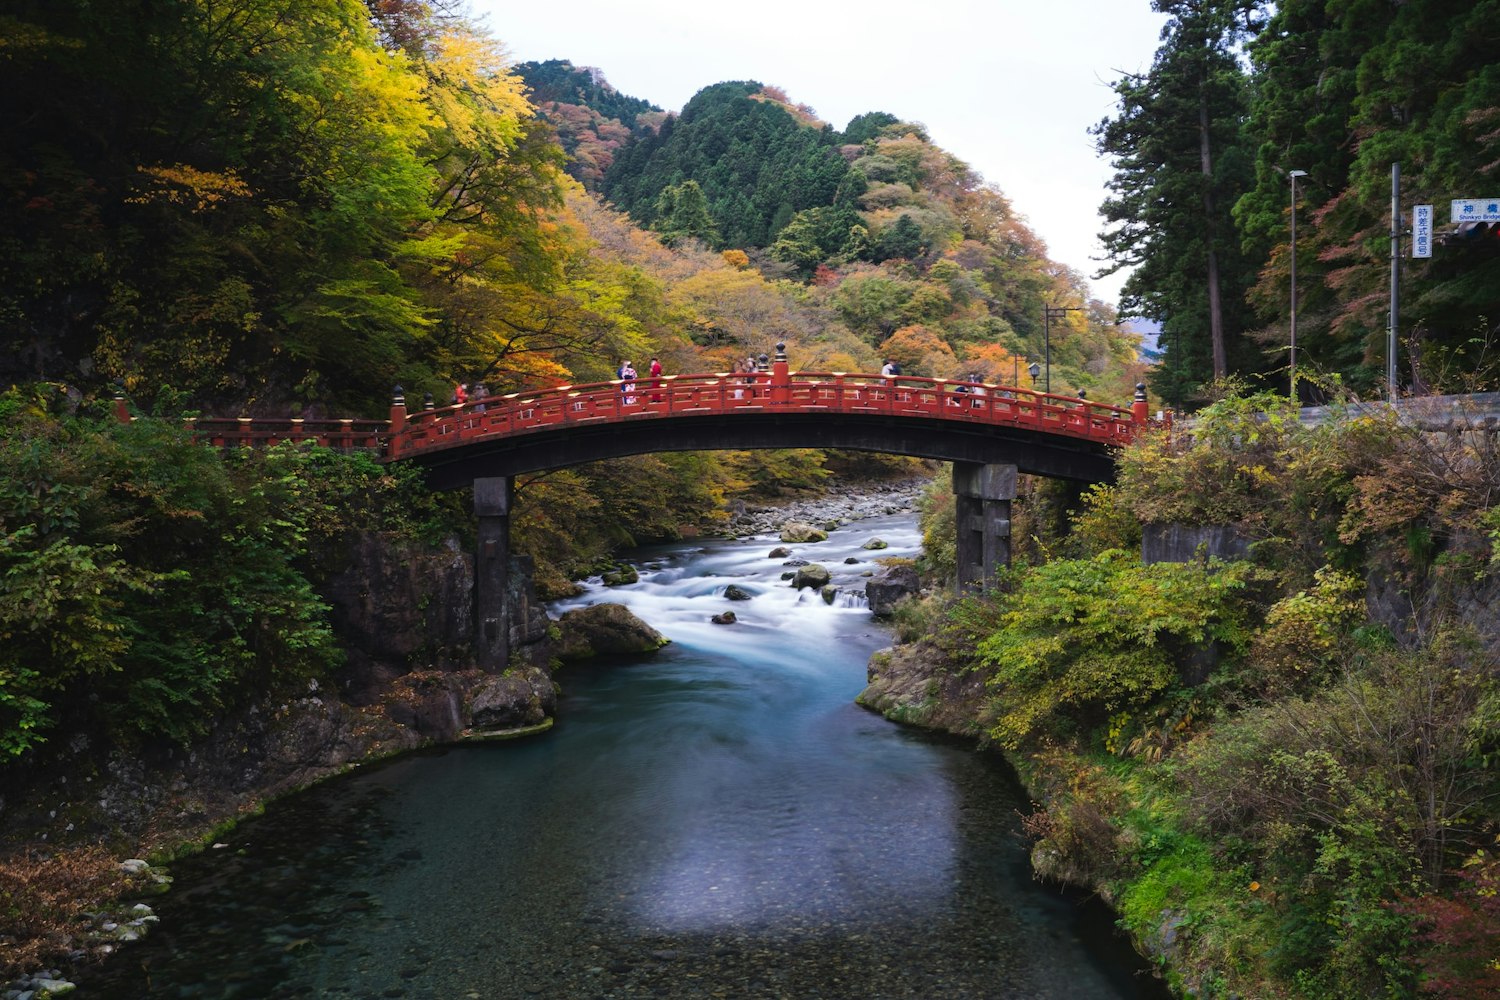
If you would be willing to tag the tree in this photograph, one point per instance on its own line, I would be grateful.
(902, 240)
(1179, 167)
(682, 214)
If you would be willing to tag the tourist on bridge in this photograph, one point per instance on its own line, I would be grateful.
(655, 380)
(460, 394)
(627, 383)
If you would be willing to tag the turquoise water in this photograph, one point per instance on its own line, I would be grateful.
(716, 820)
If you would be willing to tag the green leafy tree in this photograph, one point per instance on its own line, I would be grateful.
(1070, 642)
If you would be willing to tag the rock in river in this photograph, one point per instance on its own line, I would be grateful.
(814, 576)
(605, 630)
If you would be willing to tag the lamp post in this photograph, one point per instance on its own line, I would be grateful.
(1292, 378)
(1048, 314)
(1033, 370)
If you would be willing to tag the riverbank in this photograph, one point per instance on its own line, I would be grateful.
(71, 875)
(845, 501)
(810, 849)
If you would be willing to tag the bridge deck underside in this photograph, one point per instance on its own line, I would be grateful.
(1030, 451)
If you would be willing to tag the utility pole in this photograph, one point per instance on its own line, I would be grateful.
(1390, 333)
(1292, 377)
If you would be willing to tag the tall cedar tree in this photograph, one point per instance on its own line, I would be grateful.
(1180, 165)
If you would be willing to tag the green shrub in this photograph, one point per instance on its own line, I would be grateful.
(1305, 634)
(1074, 640)
(148, 582)
(1349, 800)
(939, 559)
(1102, 523)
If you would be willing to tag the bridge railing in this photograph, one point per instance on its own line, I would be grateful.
(778, 390)
(261, 432)
(520, 413)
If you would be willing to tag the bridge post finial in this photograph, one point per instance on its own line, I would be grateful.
(1140, 410)
(121, 410)
(398, 409)
(781, 379)
(427, 402)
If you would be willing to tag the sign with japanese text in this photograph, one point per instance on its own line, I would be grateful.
(1476, 210)
(1421, 231)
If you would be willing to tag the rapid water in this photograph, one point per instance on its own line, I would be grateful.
(715, 820)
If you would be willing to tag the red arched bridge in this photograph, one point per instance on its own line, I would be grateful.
(1049, 435)
(990, 432)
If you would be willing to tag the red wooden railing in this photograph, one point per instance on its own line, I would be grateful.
(407, 435)
(721, 393)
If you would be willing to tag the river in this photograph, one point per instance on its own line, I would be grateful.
(716, 820)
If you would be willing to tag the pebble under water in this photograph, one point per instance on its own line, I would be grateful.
(717, 820)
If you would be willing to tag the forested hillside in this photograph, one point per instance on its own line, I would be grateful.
(899, 240)
(593, 120)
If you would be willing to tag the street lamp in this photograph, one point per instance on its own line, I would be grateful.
(1292, 379)
(1049, 313)
(1034, 369)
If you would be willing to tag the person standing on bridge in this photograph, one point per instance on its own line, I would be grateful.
(655, 380)
(460, 394)
(627, 383)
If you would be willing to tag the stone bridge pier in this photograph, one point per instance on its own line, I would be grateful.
(492, 502)
(982, 494)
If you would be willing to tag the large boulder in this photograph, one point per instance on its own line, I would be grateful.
(801, 531)
(916, 683)
(605, 630)
(890, 586)
(515, 698)
(813, 575)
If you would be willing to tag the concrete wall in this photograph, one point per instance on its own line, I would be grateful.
(1182, 542)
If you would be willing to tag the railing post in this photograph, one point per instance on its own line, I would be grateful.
(121, 408)
(781, 380)
(395, 441)
(398, 409)
(1139, 410)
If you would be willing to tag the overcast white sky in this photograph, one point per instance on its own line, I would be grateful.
(1008, 86)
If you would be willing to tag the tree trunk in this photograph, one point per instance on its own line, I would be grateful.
(1215, 311)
